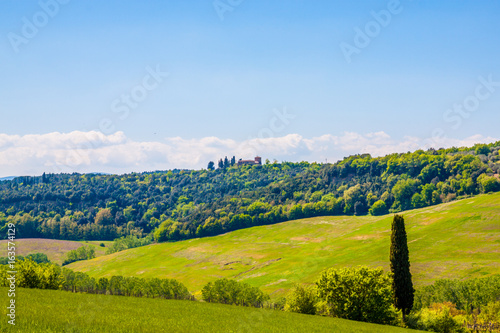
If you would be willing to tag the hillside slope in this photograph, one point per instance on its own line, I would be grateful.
(460, 239)
(60, 311)
(55, 249)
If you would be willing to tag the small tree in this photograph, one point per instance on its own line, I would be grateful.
(360, 293)
(210, 165)
(402, 285)
(233, 292)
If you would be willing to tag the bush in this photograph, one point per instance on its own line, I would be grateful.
(301, 300)
(438, 318)
(491, 313)
(232, 292)
(360, 293)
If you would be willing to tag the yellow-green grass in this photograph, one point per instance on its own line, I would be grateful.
(54, 249)
(459, 239)
(39, 311)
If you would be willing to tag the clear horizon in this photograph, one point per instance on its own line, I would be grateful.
(129, 87)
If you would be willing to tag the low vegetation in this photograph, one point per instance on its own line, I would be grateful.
(458, 306)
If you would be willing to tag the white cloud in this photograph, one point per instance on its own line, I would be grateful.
(93, 151)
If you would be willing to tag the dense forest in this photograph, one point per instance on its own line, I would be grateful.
(181, 204)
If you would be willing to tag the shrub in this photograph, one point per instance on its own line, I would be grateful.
(490, 313)
(438, 318)
(301, 300)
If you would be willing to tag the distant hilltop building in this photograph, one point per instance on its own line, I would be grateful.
(256, 161)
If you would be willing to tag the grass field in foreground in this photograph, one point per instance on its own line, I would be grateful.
(54, 249)
(460, 239)
(40, 311)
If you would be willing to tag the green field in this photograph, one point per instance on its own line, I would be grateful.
(460, 239)
(54, 249)
(59, 311)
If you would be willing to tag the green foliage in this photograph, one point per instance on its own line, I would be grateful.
(378, 208)
(51, 276)
(482, 149)
(488, 183)
(168, 229)
(436, 319)
(39, 258)
(29, 274)
(106, 207)
(227, 291)
(417, 201)
(490, 313)
(403, 192)
(402, 285)
(466, 295)
(81, 253)
(128, 242)
(301, 300)
(456, 242)
(359, 293)
(104, 217)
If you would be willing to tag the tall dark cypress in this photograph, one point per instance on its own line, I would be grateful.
(400, 267)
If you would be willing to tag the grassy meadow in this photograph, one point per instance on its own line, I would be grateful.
(54, 249)
(459, 239)
(40, 311)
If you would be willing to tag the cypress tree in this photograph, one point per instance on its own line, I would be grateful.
(400, 267)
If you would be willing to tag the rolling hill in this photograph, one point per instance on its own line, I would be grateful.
(459, 239)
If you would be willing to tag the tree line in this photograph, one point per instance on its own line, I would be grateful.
(51, 276)
(181, 204)
(81, 253)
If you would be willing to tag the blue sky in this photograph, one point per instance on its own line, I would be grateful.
(232, 73)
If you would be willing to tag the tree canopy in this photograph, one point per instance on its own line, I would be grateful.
(179, 204)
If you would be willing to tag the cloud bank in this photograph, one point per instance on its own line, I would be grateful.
(93, 151)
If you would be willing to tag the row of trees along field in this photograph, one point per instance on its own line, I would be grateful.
(181, 204)
(51, 276)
